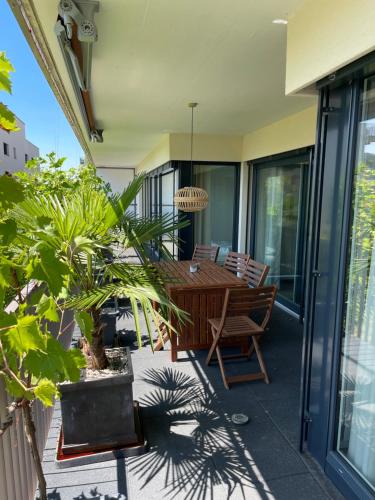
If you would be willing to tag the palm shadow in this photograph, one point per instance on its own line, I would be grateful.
(192, 441)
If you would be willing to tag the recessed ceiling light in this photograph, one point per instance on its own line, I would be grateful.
(280, 21)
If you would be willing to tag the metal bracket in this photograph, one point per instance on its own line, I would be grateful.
(82, 13)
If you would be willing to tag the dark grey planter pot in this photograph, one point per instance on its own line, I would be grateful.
(108, 317)
(98, 414)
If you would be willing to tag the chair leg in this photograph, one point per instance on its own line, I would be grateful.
(213, 346)
(250, 352)
(221, 365)
(261, 360)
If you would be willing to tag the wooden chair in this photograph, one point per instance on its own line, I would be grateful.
(235, 324)
(236, 262)
(206, 252)
(255, 273)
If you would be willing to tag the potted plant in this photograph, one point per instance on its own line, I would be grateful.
(32, 359)
(81, 230)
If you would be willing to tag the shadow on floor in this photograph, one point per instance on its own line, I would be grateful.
(191, 439)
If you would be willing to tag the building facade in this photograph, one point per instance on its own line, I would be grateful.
(15, 149)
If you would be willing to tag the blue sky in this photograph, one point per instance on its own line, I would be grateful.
(32, 99)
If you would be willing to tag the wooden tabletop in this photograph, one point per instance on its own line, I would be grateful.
(176, 274)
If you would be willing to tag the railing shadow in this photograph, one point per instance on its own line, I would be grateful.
(192, 441)
(95, 494)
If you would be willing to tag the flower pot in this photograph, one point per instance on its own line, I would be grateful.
(98, 413)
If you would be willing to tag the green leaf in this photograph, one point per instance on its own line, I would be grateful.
(2, 297)
(7, 319)
(86, 324)
(25, 336)
(84, 244)
(15, 388)
(5, 68)
(73, 362)
(11, 191)
(5, 64)
(5, 83)
(6, 278)
(46, 391)
(47, 308)
(55, 363)
(8, 232)
(7, 119)
(36, 296)
(47, 267)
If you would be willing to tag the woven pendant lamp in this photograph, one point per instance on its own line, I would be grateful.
(191, 199)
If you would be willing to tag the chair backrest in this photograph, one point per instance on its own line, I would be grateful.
(206, 252)
(242, 301)
(236, 262)
(255, 273)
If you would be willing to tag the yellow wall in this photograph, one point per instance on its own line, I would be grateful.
(207, 147)
(290, 133)
(158, 156)
(324, 35)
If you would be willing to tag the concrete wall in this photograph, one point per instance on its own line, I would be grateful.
(158, 156)
(18, 147)
(118, 177)
(325, 35)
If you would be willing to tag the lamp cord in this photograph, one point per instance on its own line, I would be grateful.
(191, 138)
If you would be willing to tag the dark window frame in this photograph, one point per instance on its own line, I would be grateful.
(267, 162)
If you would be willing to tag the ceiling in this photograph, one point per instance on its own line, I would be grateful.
(152, 57)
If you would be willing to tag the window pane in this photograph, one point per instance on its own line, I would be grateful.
(278, 226)
(214, 224)
(356, 419)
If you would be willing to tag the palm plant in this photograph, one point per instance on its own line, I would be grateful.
(81, 232)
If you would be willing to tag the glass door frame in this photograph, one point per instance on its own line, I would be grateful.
(280, 160)
(153, 199)
(322, 348)
(184, 173)
(186, 176)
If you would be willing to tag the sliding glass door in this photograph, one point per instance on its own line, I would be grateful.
(356, 395)
(216, 224)
(338, 411)
(158, 193)
(279, 223)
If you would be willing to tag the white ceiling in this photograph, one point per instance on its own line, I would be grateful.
(154, 56)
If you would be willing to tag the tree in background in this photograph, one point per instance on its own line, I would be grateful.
(45, 176)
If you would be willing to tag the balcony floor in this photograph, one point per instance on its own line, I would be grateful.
(196, 452)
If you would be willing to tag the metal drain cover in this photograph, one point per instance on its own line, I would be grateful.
(239, 418)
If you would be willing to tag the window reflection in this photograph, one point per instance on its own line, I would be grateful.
(356, 419)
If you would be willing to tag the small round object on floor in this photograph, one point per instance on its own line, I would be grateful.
(239, 418)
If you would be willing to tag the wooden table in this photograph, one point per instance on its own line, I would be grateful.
(200, 294)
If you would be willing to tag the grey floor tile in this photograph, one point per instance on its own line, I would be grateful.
(196, 452)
